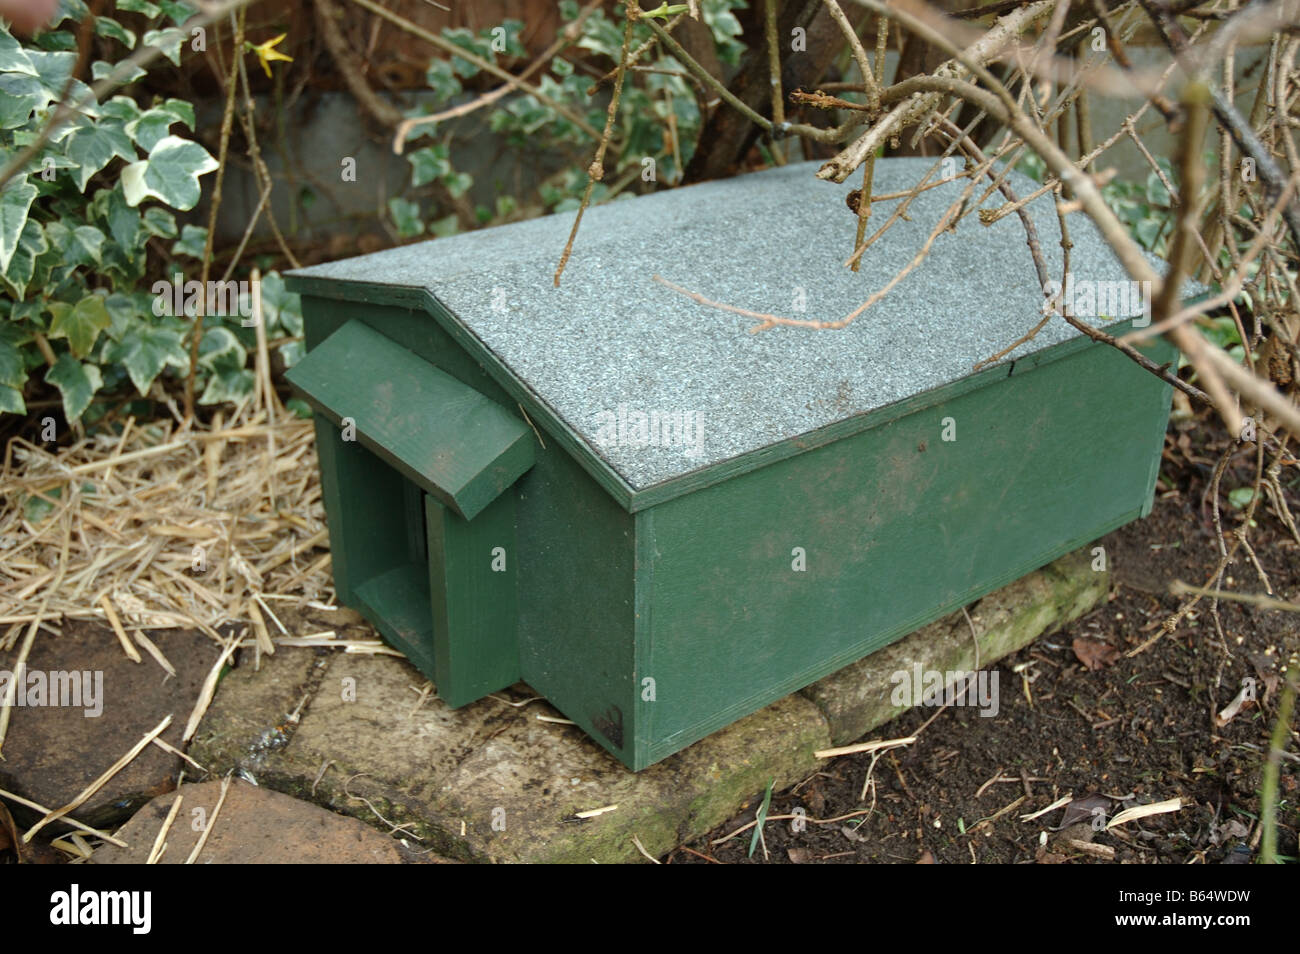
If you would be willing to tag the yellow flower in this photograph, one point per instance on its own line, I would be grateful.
(267, 52)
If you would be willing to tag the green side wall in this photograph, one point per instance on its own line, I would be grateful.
(899, 527)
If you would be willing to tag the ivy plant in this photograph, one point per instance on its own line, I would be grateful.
(81, 225)
(659, 116)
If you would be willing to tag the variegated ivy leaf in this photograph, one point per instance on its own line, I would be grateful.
(82, 245)
(22, 267)
(53, 67)
(193, 241)
(76, 382)
(153, 125)
(170, 174)
(15, 202)
(20, 96)
(13, 58)
(99, 70)
(221, 354)
(94, 145)
(139, 6)
(168, 42)
(145, 350)
(13, 370)
(281, 308)
(107, 26)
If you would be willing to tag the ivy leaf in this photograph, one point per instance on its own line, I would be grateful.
(145, 350)
(183, 111)
(22, 267)
(1148, 231)
(151, 126)
(167, 42)
(13, 370)
(280, 308)
(15, 202)
(83, 245)
(80, 323)
(428, 164)
(123, 221)
(54, 67)
(446, 226)
(171, 174)
(139, 6)
(458, 183)
(93, 146)
(11, 400)
(74, 10)
(13, 58)
(77, 382)
(99, 70)
(107, 26)
(442, 80)
(121, 108)
(159, 222)
(406, 216)
(221, 354)
(220, 348)
(177, 12)
(20, 96)
(466, 40)
(193, 241)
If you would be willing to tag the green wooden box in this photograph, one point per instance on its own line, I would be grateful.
(661, 520)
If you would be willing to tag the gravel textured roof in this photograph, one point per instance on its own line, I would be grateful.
(611, 343)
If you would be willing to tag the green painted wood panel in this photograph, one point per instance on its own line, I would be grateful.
(575, 568)
(472, 584)
(896, 526)
(397, 602)
(447, 438)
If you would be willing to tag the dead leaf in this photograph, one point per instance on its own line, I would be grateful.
(799, 856)
(9, 837)
(1093, 653)
(1085, 809)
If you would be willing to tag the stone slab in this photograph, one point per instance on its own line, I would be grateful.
(254, 826)
(613, 338)
(51, 753)
(505, 779)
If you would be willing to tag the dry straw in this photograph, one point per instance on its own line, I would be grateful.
(162, 525)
